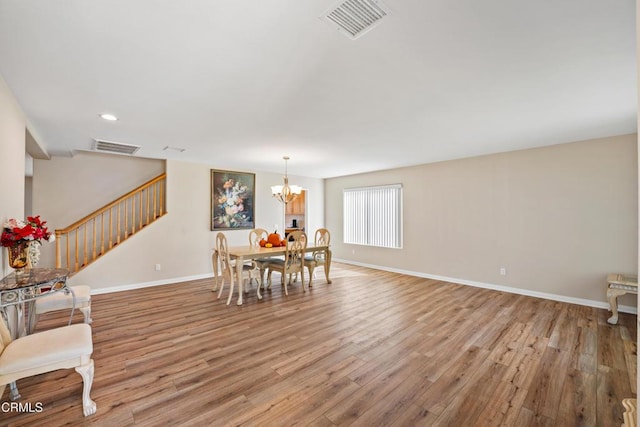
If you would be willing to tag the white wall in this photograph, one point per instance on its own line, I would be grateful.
(12, 162)
(65, 189)
(181, 241)
(558, 218)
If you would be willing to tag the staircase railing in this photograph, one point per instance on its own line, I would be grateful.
(86, 240)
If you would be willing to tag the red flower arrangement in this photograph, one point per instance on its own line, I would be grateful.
(33, 229)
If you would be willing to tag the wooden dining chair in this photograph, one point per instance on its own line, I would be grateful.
(228, 269)
(322, 238)
(293, 262)
(255, 236)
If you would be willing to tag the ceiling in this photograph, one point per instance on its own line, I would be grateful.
(241, 83)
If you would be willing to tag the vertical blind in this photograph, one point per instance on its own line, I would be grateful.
(373, 216)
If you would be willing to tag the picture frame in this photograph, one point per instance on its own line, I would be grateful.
(232, 200)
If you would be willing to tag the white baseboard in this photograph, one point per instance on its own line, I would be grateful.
(133, 286)
(508, 289)
(544, 295)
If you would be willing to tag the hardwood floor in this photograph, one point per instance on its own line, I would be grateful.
(373, 348)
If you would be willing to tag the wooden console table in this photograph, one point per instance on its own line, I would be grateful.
(618, 285)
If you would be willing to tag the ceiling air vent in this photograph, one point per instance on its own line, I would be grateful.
(115, 147)
(355, 17)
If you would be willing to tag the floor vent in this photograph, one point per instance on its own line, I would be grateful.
(354, 18)
(115, 147)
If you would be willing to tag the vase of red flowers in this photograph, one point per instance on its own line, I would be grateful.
(18, 236)
(19, 255)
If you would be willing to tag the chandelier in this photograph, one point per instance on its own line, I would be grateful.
(285, 193)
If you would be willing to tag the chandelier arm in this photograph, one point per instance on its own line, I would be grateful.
(285, 193)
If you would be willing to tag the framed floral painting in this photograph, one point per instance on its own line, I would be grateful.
(232, 200)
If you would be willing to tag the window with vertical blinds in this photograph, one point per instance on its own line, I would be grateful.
(373, 216)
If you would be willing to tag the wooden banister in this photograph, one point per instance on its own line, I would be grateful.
(112, 204)
(78, 252)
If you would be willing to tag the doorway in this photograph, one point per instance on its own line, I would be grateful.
(295, 214)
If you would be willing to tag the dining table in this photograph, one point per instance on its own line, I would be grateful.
(249, 252)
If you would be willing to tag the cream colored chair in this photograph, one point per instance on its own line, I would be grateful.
(255, 236)
(63, 301)
(322, 238)
(228, 269)
(60, 348)
(293, 262)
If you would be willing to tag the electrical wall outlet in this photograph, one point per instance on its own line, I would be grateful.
(503, 271)
(158, 267)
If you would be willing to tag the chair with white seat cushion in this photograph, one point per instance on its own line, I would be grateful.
(255, 236)
(60, 348)
(293, 262)
(249, 271)
(63, 301)
(317, 258)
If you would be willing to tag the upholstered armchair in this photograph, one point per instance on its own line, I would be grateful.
(80, 295)
(60, 348)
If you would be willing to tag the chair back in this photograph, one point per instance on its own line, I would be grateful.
(223, 252)
(295, 249)
(322, 237)
(256, 235)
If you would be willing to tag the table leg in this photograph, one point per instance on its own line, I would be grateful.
(73, 307)
(612, 296)
(14, 394)
(215, 270)
(32, 318)
(10, 317)
(21, 321)
(259, 285)
(239, 262)
(327, 264)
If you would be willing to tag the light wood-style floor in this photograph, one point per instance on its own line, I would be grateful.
(373, 348)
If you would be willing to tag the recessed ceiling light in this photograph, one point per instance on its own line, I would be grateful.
(109, 117)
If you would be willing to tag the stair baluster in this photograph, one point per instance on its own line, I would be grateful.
(78, 253)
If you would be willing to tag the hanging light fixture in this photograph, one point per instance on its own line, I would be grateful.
(285, 193)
